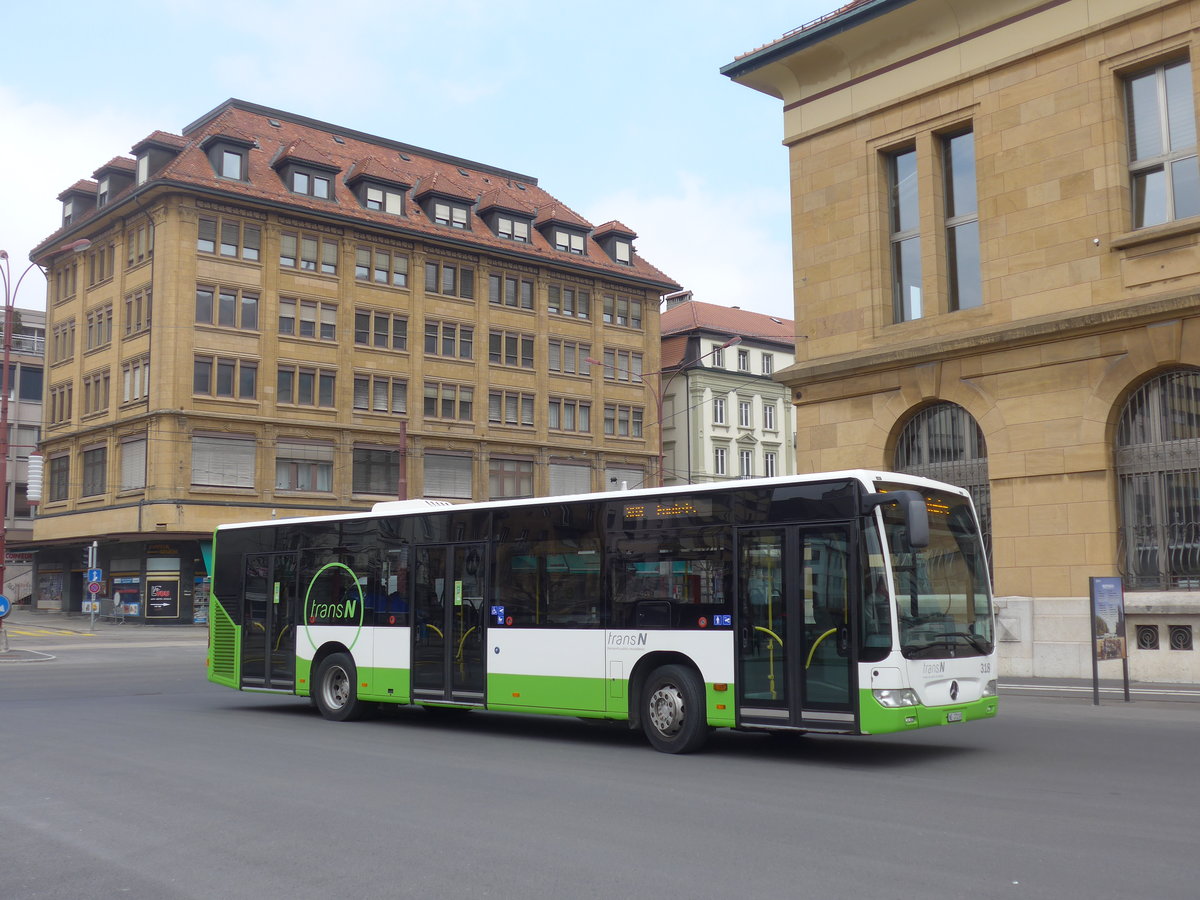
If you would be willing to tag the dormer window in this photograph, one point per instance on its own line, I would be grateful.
(512, 229)
(568, 241)
(385, 200)
(143, 168)
(452, 214)
(68, 211)
(102, 192)
(311, 183)
(623, 252)
(233, 164)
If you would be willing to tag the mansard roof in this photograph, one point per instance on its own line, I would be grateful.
(270, 135)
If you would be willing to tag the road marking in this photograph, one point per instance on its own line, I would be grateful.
(42, 632)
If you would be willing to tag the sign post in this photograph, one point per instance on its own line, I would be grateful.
(1108, 629)
(5, 609)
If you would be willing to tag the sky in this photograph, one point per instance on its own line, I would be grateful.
(618, 109)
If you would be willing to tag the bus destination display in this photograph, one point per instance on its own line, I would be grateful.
(669, 509)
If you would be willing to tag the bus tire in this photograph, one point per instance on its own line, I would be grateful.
(336, 690)
(672, 712)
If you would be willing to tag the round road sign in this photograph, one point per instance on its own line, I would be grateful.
(93, 587)
(5, 606)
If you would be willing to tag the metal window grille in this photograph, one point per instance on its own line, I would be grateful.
(1158, 476)
(945, 442)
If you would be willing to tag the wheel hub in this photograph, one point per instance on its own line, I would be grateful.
(666, 710)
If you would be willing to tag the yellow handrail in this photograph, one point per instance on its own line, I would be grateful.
(816, 643)
(770, 658)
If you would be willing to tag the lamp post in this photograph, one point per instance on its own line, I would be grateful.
(10, 298)
(661, 391)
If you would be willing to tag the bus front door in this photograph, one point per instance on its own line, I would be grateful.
(796, 663)
(269, 630)
(448, 593)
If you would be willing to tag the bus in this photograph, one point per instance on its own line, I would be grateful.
(852, 602)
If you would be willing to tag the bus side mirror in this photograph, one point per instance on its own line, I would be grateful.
(916, 513)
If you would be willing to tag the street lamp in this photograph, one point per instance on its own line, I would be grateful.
(661, 390)
(10, 299)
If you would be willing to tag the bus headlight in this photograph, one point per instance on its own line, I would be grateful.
(895, 698)
(989, 689)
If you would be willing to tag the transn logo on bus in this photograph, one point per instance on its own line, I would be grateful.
(628, 640)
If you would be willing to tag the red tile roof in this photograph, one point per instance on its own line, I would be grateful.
(118, 164)
(615, 227)
(161, 139)
(694, 316)
(429, 172)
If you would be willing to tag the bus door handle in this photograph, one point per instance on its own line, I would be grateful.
(843, 640)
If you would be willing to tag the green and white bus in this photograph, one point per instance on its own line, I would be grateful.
(852, 602)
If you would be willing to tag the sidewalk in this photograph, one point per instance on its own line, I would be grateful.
(25, 633)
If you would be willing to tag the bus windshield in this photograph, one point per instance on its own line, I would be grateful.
(942, 594)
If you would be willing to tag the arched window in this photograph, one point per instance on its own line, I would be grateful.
(945, 442)
(1158, 482)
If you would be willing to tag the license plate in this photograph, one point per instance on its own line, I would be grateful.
(954, 716)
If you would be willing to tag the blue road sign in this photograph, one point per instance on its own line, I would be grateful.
(5, 606)
(95, 575)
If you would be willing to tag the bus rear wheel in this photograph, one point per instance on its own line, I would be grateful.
(336, 694)
(673, 710)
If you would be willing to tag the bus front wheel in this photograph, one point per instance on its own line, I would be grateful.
(673, 710)
(336, 694)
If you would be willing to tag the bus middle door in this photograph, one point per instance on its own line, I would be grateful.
(269, 628)
(448, 664)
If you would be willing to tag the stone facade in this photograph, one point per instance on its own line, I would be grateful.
(1079, 307)
(328, 320)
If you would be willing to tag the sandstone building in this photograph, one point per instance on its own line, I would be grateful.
(996, 228)
(277, 316)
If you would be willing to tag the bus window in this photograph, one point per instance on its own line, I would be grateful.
(551, 584)
(393, 607)
(875, 627)
(674, 580)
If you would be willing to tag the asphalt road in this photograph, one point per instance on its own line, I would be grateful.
(124, 774)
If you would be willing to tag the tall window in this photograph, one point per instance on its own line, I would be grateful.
(903, 218)
(1158, 477)
(95, 471)
(720, 461)
(58, 477)
(1163, 172)
(745, 463)
(945, 442)
(133, 463)
(718, 410)
(962, 220)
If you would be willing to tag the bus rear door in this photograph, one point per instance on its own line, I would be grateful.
(796, 662)
(269, 627)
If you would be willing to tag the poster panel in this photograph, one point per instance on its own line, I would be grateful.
(1108, 617)
(162, 598)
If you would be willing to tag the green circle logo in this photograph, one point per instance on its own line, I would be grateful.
(339, 612)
